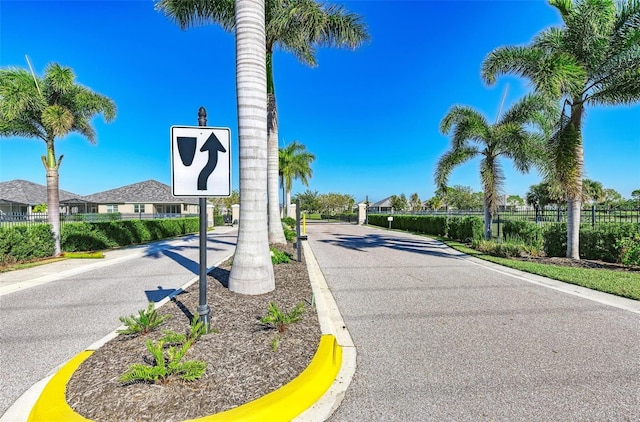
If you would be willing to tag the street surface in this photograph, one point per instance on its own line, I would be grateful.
(441, 338)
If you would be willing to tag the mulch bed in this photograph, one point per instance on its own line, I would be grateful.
(582, 263)
(241, 363)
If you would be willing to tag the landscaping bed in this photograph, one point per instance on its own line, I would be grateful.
(244, 359)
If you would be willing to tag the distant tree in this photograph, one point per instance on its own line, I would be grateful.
(399, 203)
(50, 108)
(635, 194)
(592, 59)
(309, 201)
(227, 202)
(461, 198)
(611, 198)
(510, 137)
(592, 191)
(544, 194)
(515, 201)
(40, 208)
(434, 203)
(294, 163)
(415, 204)
(336, 203)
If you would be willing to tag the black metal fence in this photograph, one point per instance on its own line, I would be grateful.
(592, 216)
(11, 219)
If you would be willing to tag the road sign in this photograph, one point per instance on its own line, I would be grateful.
(200, 161)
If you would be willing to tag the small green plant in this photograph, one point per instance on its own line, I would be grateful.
(279, 320)
(289, 221)
(144, 323)
(275, 343)
(165, 367)
(279, 257)
(196, 330)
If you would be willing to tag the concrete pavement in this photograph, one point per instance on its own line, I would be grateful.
(444, 337)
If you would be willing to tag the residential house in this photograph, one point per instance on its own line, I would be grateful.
(148, 198)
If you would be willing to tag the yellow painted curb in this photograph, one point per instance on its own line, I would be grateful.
(281, 405)
(52, 403)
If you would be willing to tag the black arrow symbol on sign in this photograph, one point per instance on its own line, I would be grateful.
(213, 145)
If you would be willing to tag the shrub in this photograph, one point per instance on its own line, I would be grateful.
(278, 319)
(23, 243)
(144, 323)
(530, 233)
(630, 250)
(84, 237)
(279, 257)
(465, 229)
(165, 367)
(289, 221)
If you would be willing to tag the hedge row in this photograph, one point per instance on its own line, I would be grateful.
(610, 242)
(463, 229)
(23, 243)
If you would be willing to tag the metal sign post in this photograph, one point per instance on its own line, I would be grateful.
(203, 307)
(201, 168)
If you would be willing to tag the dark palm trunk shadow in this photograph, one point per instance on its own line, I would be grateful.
(221, 276)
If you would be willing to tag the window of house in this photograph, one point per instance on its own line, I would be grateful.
(138, 208)
(111, 208)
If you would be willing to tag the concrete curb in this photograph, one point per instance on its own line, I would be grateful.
(282, 404)
(321, 385)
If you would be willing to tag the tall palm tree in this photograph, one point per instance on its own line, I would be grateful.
(593, 59)
(49, 108)
(294, 162)
(296, 26)
(252, 270)
(509, 137)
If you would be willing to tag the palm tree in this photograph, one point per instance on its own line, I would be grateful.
(252, 270)
(593, 59)
(298, 27)
(473, 136)
(49, 108)
(294, 163)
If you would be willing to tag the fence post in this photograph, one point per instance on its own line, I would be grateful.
(498, 225)
(593, 215)
(558, 219)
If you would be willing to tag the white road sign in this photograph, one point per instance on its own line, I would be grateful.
(200, 161)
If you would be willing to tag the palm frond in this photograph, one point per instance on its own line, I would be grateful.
(190, 13)
(450, 160)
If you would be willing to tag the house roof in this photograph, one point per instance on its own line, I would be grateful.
(149, 191)
(24, 192)
(386, 202)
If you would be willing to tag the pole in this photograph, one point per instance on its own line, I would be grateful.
(298, 245)
(203, 307)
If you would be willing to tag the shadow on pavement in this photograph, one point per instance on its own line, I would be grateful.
(370, 241)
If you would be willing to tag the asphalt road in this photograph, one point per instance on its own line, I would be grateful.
(440, 337)
(73, 304)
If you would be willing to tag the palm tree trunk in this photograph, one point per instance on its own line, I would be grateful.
(53, 206)
(276, 233)
(252, 271)
(488, 218)
(574, 197)
(288, 202)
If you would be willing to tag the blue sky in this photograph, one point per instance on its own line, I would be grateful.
(370, 116)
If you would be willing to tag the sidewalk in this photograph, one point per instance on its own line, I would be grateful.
(444, 337)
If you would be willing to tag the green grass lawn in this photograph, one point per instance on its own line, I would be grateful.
(620, 283)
